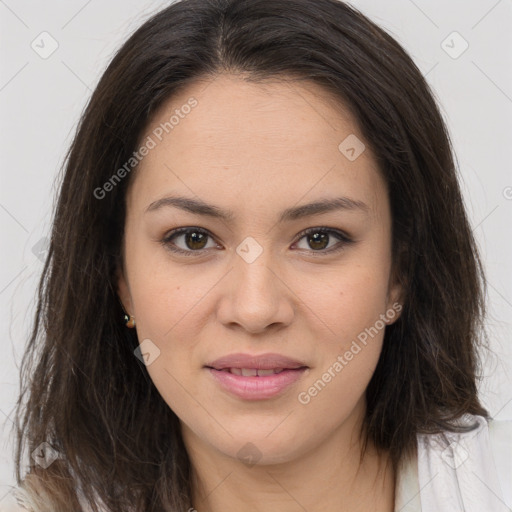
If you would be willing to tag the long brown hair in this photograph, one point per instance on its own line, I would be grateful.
(83, 390)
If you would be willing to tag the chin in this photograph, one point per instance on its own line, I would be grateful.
(260, 449)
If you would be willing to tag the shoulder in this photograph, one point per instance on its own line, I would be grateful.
(467, 470)
(23, 499)
(17, 500)
(500, 435)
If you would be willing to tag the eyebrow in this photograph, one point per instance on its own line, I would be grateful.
(199, 207)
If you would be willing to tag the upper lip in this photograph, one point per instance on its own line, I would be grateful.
(258, 362)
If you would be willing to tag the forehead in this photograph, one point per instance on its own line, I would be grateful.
(262, 116)
(254, 139)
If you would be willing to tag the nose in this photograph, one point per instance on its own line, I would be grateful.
(257, 298)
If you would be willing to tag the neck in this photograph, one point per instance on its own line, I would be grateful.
(330, 478)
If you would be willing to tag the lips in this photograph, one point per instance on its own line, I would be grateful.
(260, 377)
(252, 366)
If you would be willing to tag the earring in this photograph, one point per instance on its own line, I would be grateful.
(129, 321)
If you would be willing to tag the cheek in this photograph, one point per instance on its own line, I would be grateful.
(346, 301)
(349, 351)
(168, 314)
(165, 295)
(347, 307)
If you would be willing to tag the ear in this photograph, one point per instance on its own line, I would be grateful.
(396, 293)
(395, 303)
(123, 290)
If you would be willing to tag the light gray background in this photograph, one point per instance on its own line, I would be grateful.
(41, 100)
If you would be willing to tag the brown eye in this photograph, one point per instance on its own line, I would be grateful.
(319, 240)
(187, 240)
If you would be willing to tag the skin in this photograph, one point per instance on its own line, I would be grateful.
(258, 149)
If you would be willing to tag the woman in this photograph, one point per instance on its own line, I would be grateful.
(264, 191)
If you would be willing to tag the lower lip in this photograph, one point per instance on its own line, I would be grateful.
(257, 388)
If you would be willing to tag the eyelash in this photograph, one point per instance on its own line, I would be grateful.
(343, 239)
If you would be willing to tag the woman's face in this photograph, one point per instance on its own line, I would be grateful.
(251, 282)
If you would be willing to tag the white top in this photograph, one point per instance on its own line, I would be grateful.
(468, 472)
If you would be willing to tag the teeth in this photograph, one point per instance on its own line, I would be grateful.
(253, 372)
(262, 373)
